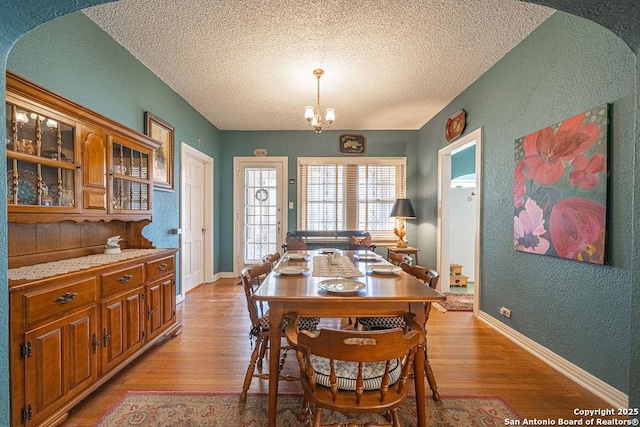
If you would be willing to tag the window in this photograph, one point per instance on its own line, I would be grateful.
(349, 194)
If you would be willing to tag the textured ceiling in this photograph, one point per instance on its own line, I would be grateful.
(248, 64)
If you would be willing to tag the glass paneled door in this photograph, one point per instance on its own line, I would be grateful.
(261, 210)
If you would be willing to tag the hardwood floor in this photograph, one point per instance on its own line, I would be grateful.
(211, 354)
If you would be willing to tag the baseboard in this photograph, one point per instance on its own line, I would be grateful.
(592, 383)
(225, 275)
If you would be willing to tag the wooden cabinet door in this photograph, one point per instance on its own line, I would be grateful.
(60, 362)
(94, 169)
(161, 303)
(154, 309)
(131, 169)
(169, 301)
(122, 327)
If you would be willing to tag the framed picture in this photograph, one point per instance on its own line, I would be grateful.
(352, 144)
(161, 131)
(560, 188)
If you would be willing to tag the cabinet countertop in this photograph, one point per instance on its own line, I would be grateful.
(55, 268)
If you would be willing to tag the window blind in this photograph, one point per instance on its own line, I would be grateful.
(349, 194)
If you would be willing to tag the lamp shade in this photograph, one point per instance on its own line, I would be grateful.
(331, 115)
(402, 208)
(309, 113)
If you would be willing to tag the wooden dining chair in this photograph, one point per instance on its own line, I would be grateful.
(428, 276)
(353, 371)
(294, 244)
(272, 259)
(431, 278)
(259, 332)
(397, 258)
(361, 242)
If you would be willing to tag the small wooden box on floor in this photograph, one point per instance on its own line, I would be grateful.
(456, 269)
(456, 276)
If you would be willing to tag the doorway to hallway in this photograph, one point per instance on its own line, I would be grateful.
(459, 201)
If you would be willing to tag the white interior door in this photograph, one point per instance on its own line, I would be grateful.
(445, 227)
(197, 218)
(260, 208)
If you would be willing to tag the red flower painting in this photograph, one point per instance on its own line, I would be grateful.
(576, 227)
(585, 174)
(546, 150)
(559, 194)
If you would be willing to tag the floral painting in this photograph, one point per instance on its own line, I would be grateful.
(560, 188)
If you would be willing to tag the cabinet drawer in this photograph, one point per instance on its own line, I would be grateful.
(63, 299)
(122, 280)
(160, 267)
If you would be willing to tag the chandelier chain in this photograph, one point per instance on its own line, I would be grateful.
(318, 97)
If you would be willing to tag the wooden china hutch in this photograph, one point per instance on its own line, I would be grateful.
(77, 315)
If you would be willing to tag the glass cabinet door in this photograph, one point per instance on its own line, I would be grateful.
(131, 179)
(40, 159)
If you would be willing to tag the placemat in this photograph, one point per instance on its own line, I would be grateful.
(344, 268)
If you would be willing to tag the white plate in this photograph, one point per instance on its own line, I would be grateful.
(367, 257)
(297, 255)
(328, 250)
(384, 269)
(341, 286)
(288, 270)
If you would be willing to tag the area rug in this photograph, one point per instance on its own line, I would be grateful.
(457, 302)
(184, 409)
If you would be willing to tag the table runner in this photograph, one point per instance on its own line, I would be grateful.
(344, 267)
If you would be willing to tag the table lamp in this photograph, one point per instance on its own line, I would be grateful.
(402, 209)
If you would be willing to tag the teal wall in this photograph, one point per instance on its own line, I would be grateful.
(463, 162)
(87, 66)
(579, 311)
(296, 144)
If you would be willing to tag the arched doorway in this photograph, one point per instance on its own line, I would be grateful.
(20, 17)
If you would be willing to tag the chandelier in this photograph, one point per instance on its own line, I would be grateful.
(313, 116)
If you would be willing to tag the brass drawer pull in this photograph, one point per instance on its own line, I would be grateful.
(162, 266)
(96, 343)
(126, 278)
(106, 336)
(66, 297)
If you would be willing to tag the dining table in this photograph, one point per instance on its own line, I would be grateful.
(334, 283)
